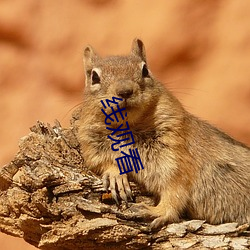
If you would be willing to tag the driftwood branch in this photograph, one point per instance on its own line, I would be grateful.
(49, 198)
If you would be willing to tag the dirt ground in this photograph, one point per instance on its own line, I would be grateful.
(200, 49)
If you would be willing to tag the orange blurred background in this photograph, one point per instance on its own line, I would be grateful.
(200, 49)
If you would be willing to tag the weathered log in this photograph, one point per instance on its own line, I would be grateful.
(53, 201)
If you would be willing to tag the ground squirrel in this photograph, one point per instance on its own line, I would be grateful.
(191, 167)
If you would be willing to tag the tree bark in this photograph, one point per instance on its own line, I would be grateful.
(50, 198)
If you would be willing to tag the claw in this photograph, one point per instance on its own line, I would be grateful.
(112, 181)
(121, 190)
(127, 188)
(105, 181)
(114, 196)
(158, 223)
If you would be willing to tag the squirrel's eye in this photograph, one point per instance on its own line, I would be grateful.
(145, 72)
(95, 78)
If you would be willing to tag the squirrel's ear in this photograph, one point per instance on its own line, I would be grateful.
(138, 49)
(89, 57)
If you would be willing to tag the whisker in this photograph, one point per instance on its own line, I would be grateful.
(71, 109)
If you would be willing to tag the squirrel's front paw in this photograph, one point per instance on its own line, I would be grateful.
(118, 184)
(161, 216)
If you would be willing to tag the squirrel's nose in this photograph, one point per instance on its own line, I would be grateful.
(125, 93)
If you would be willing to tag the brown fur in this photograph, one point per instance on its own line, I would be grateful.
(191, 166)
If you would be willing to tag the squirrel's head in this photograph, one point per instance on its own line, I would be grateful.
(126, 77)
